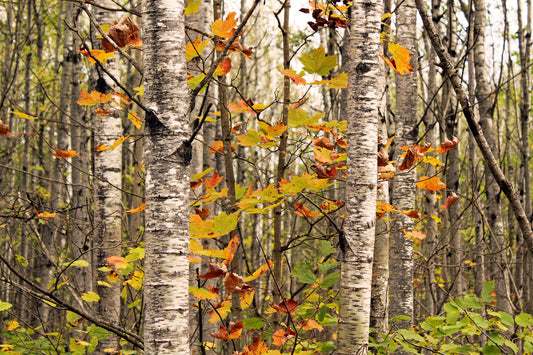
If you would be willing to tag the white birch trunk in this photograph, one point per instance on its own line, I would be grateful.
(365, 91)
(167, 179)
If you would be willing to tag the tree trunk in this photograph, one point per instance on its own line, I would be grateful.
(167, 179)
(366, 88)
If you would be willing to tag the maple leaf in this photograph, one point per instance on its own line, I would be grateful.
(225, 28)
(430, 184)
(258, 348)
(224, 67)
(317, 62)
(412, 157)
(323, 155)
(202, 293)
(282, 336)
(231, 281)
(122, 33)
(324, 143)
(246, 106)
(450, 200)
(93, 98)
(195, 48)
(297, 79)
(448, 145)
(292, 306)
(234, 332)
(64, 153)
(192, 7)
(250, 139)
(303, 211)
(214, 271)
(271, 131)
(309, 324)
(212, 181)
(101, 55)
(203, 213)
(400, 59)
(236, 46)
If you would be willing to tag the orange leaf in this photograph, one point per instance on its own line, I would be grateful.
(224, 67)
(138, 209)
(450, 200)
(214, 271)
(386, 172)
(46, 215)
(412, 157)
(400, 59)
(430, 184)
(303, 211)
(411, 213)
(309, 324)
(231, 249)
(118, 261)
(236, 46)
(93, 98)
(258, 348)
(323, 155)
(195, 48)
(234, 332)
(217, 147)
(225, 28)
(213, 180)
(293, 76)
(292, 305)
(231, 281)
(324, 143)
(101, 147)
(448, 145)
(415, 235)
(203, 213)
(64, 153)
(300, 102)
(281, 336)
(99, 54)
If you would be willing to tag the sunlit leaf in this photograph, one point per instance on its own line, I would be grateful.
(90, 297)
(118, 142)
(231, 281)
(101, 55)
(195, 48)
(23, 115)
(317, 62)
(192, 7)
(12, 325)
(224, 67)
(450, 200)
(135, 119)
(225, 28)
(297, 79)
(430, 184)
(93, 98)
(400, 59)
(448, 145)
(64, 153)
(202, 293)
(280, 336)
(46, 215)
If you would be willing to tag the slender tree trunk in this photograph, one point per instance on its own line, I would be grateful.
(403, 190)
(167, 179)
(366, 88)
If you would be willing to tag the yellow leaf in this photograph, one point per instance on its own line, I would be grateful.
(12, 325)
(64, 153)
(90, 297)
(118, 142)
(138, 209)
(400, 59)
(101, 147)
(93, 98)
(135, 119)
(202, 293)
(192, 7)
(99, 54)
(23, 115)
(259, 272)
(195, 48)
(46, 215)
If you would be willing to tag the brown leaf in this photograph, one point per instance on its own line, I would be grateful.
(4, 129)
(300, 102)
(231, 281)
(231, 249)
(450, 200)
(292, 306)
(324, 143)
(214, 271)
(448, 145)
(383, 157)
(121, 33)
(203, 213)
(412, 157)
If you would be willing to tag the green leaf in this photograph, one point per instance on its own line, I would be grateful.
(510, 345)
(452, 316)
(225, 223)
(473, 302)
(303, 274)
(491, 349)
(449, 347)
(410, 334)
(330, 280)
(398, 318)
(528, 346)
(497, 338)
(4, 306)
(202, 174)
(253, 323)
(78, 263)
(321, 314)
(72, 317)
(317, 62)
(479, 320)
(325, 248)
(250, 139)
(298, 118)
(90, 297)
(192, 7)
(524, 320)
(325, 347)
(485, 294)
(328, 265)
(98, 332)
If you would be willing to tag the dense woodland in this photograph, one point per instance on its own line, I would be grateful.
(265, 177)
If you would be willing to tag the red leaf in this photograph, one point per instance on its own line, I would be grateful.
(324, 143)
(300, 102)
(292, 306)
(234, 332)
(213, 180)
(448, 145)
(450, 200)
(203, 213)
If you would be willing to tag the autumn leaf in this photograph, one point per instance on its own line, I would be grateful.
(197, 249)
(412, 157)
(23, 115)
(430, 184)
(93, 98)
(225, 28)
(303, 211)
(212, 181)
(221, 313)
(122, 33)
(231, 249)
(450, 200)
(300, 102)
(101, 55)
(214, 271)
(297, 79)
(12, 325)
(195, 48)
(386, 172)
(234, 332)
(257, 348)
(90, 297)
(224, 67)
(118, 142)
(46, 215)
(259, 272)
(281, 336)
(135, 119)
(192, 7)
(236, 46)
(203, 213)
(4, 129)
(383, 157)
(64, 153)
(202, 293)
(324, 173)
(117, 261)
(317, 62)
(323, 155)
(414, 235)
(271, 131)
(309, 324)
(142, 207)
(411, 213)
(448, 145)
(250, 139)
(400, 59)
(246, 106)
(231, 281)
(292, 306)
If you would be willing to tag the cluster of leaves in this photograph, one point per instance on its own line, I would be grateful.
(468, 325)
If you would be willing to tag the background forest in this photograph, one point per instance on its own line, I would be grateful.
(265, 177)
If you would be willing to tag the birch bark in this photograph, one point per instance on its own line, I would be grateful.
(167, 179)
(365, 88)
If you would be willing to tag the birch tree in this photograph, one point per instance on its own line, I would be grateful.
(167, 179)
(366, 88)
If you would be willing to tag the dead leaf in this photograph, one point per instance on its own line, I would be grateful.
(450, 200)
(231, 281)
(292, 306)
(214, 271)
(122, 33)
